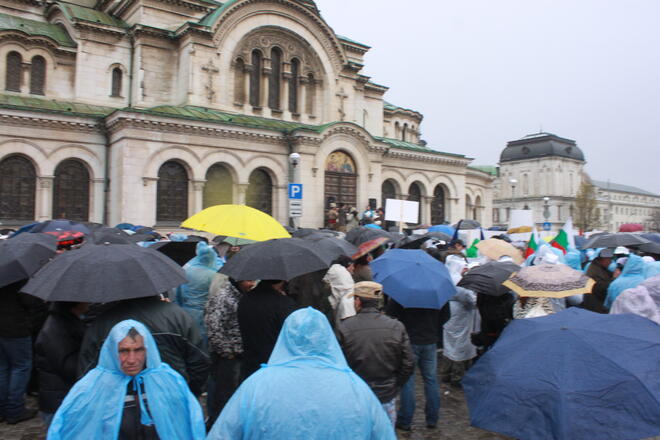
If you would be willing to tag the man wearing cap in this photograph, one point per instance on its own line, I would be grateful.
(599, 272)
(376, 347)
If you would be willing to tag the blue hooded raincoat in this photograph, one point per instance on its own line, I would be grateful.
(306, 391)
(193, 295)
(631, 275)
(94, 406)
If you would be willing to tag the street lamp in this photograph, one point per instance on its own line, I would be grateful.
(294, 177)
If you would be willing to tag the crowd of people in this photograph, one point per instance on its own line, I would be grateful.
(270, 365)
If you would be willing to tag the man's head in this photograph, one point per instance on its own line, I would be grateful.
(367, 294)
(246, 285)
(604, 257)
(132, 353)
(458, 245)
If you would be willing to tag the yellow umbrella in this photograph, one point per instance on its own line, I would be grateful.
(494, 248)
(519, 230)
(239, 221)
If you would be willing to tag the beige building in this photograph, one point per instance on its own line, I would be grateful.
(543, 172)
(147, 111)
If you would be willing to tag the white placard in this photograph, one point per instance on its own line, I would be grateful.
(521, 217)
(401, 211)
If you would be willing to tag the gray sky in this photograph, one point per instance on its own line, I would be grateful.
(484, 72)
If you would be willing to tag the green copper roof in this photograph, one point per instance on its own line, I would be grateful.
(52, 106)
(81, 13)
(392, 107)
(490, 169)
(213, 16)
(415, 147)
(36, 28)
(341, 37)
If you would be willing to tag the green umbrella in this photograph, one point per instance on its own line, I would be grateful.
(235, 241)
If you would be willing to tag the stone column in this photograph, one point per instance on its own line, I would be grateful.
(44, 207)
(242, 192)
(198, 195)
(426, 209)
(98, 200)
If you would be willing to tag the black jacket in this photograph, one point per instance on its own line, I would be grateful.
(261, 314)
(603, 279)
(177, 336)
(56, 356)
(377, 348)
(19, 312)
(424, 326)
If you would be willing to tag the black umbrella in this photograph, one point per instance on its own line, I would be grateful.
(650, 248)
(359, 235)
(60, 225)
(416, 241)
(309, 233)
(467, 224)
(105, 273)
(651, 236)
(179, 251)
(332, 247)
(142, 237)
(23, 255)
(614, 240)
(109, 235)
(488, 279)
(278, 259)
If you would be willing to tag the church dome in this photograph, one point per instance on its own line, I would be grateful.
(538, 145)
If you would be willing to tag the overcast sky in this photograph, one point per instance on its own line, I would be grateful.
(484, 72)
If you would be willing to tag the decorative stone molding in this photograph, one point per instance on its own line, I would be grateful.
(45, 182)
(198, 185)
(36, 41)
(57, 124)
(147, 180)
(349, 130)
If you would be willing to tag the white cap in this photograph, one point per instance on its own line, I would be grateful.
(621, 251)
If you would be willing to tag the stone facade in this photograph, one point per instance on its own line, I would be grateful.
(543, 172)
(174, 105)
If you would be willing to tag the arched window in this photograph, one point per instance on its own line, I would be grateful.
(525, 185)
(476, 214)
(239, 81)
(14, 72)
(404, 133)
(397, 130)
(172, 193)
(37, 75)
(415, 195)
(274, 84)
(71, 191)
(340, 179)
(387, 191)
(116, 82)
(219, 187)
(438, 206)
(255, 79)
(259, 193)
(293, 86)
(311, 94)
(18, 183)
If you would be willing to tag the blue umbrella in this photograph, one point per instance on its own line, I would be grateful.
(413, 278)
(573, 375)
(445, 229)
(60, 225)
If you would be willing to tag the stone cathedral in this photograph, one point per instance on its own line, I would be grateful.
(147, 111)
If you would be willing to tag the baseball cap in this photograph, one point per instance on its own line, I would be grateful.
(368, 289)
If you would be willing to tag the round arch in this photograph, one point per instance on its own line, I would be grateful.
(172, 192)
(33, 152)
(18, 183)
(219, 186)
(259, 194)
(439, 204)
(80, 152)
(185, 156)
(71, 190)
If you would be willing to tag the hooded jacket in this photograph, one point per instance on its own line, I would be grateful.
(306, 391)
(94, 406)
(643, 300)
(631, 275)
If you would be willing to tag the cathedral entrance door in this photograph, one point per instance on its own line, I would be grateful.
(340, 180)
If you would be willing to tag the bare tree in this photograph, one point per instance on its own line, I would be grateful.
(586, 206)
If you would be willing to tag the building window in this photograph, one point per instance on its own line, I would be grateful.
(71, 191)
(239, 81)
(116, 82)
(274, 84)
(311, 94)
(219, 187)
(387, 191)
(172, 193)
(293, 86)
(255, 79)
(404, 133)
(13, 73)
(259, 193)
(438, 215)
(18, 183)
(37, 75)
(415, 195)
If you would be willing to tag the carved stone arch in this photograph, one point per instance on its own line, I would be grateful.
(233, 160)
(72, 189)
(18, 183)
(344, 141)
(449, 184)
(396, 175)
(32, 151)
(276, 170)
(184, 155)
(172, 191)
(85, 155)
(232, 14)
(422, 179)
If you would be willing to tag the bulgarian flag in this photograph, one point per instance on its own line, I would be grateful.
(565, 237)
(533, 243)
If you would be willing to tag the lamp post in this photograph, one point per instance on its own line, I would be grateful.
(294, 177)
(513, 183)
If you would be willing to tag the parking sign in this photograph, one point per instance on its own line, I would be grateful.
(295, 191)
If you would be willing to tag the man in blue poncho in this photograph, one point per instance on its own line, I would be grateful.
(130, 395)
(631, 276)
(306, 391)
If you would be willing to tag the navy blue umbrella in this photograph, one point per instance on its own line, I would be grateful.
(60, 225)
(413, 278)
(573, 375)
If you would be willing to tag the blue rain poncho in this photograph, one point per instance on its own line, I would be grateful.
(306, 391)
(193, 295)
(94, 406)
(631, 276)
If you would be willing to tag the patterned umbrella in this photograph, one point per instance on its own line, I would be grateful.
(494, 248)
(369, 246)
(549, 281)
